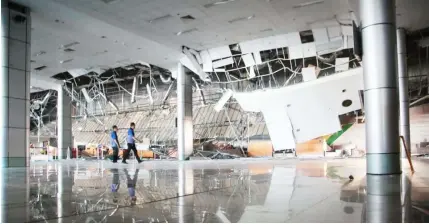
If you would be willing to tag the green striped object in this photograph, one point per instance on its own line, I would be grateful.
(336, 135)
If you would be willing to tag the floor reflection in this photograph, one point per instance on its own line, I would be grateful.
(207, 191)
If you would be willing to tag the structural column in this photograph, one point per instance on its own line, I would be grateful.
(184, 114)
(64, 124)
(15, 85)
(14, 110)
(381, 86)
(404, 102)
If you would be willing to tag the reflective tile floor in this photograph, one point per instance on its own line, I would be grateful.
(258, 190)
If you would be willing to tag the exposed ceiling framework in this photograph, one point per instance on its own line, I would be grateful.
(100, 35)
(42, 107)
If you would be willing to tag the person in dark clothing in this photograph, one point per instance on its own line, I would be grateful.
(115, 143)
(131, 142)
(131, 184)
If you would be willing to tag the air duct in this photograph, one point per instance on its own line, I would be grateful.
(165, 79)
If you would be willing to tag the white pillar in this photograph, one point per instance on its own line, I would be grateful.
(184, 114)
(15, 85)
(64, 123)
(404, 102)
(381, 86)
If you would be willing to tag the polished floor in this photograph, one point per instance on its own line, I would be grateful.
(246, 190)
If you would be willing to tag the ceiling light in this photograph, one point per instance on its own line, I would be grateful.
(305, 4)
(69, 45)
(40, 53)
(220, 2)
(266, 30)
(68, 50)
(241, 19)
(65, 61)
(187, 17)
(100, 52)
(40, 68)
(186, 31)
(160, 19)
(109, 1)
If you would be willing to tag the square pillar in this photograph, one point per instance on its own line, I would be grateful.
(15, 85)
(185, 138)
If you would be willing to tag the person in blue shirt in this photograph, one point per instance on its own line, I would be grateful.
(131, 142)
(115, 143)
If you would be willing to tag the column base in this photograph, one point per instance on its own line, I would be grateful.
(13, 162)
(383, 163)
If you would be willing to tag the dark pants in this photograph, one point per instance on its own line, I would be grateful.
(115, 153)
(131, 146)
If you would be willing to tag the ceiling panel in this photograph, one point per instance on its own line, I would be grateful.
(145, 30)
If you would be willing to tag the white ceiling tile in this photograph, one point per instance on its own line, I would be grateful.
(347, 30)
(220, 52)
(341, 64)
(293, 39)
(223, 62)
(257, 57)
(320, 35)
(309, 49)
(334, 31)
(329, 47)
(295, 52)
(309, 74)
(248, 60)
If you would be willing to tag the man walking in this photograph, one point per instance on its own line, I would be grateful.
(131, 142)
(115, 143)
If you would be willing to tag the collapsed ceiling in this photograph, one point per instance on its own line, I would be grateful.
(115, 80)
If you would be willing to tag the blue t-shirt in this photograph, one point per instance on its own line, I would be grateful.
(113, 137)
(130, 136)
